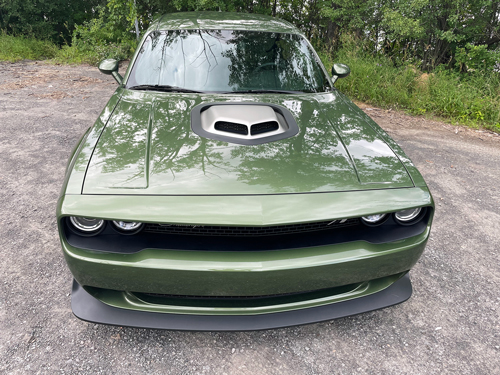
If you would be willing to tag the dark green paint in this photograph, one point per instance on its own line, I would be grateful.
(133, 301)
(340, 70)
(241, 209)
(243, 273)
(148, 148)
(75, 172)
(110, 66)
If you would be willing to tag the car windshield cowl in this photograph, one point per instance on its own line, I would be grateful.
(263, 92)
(167, 88)
(164, 88)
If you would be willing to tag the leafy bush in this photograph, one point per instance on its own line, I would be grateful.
(476, 58)
(98, 40)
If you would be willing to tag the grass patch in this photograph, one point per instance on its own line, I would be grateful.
(14, 48)
(468, 99)
(92, 55)
(17, 48)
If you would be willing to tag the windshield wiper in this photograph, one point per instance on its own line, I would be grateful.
(263, 92)
(163, 88)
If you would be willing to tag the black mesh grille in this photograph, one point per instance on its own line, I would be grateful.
(233, 231)
(231, 127)
(264, 127)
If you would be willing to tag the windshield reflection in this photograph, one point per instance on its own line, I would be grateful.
(227, 61)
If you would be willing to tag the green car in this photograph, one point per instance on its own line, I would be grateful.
(227, 185)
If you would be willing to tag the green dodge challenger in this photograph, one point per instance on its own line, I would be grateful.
(227, 185)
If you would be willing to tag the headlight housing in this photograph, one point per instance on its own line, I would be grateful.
(86, 225)
(409, 216)
(373, 220)
(127, 227)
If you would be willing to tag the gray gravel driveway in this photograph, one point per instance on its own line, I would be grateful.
(450, 325)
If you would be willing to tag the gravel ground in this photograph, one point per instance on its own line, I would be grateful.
(450, 325)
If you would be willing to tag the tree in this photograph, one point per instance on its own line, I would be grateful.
(45, 19)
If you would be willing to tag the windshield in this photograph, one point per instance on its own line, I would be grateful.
(227, 61)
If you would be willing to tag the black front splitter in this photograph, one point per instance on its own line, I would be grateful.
(90, 309)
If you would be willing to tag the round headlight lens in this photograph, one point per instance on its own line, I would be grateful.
(406, 216)
(86, 224)
(129, 227)
(374, 219)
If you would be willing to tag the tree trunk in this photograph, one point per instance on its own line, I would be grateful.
(332, 34)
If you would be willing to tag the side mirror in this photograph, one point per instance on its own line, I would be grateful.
(110, 66)
(340, 71)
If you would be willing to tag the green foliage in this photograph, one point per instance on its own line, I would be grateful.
(400, 26)
(476, 58)
(349, 14)
(426, 31)
(187, 5)
(21, 48)
(45, 19)
(98, 40)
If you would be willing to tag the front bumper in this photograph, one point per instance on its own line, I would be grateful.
(247, 273)
(88, 308)
(110, 283)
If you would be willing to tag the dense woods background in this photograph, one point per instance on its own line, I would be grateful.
(426, 56)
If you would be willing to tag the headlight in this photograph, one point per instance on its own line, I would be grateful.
(87, 225)
(408, 216)
(128, 227)
(376, 219)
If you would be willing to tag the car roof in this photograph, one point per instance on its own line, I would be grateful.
(222, 21)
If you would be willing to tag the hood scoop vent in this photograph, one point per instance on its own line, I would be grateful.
(264, 127)
(231, 127)
(243, 123)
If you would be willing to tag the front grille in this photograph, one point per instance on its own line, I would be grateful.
(248, 238)
(234, 231)
(264, 127)
(231, 127)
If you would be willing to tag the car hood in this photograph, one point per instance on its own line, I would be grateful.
(148, 148)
